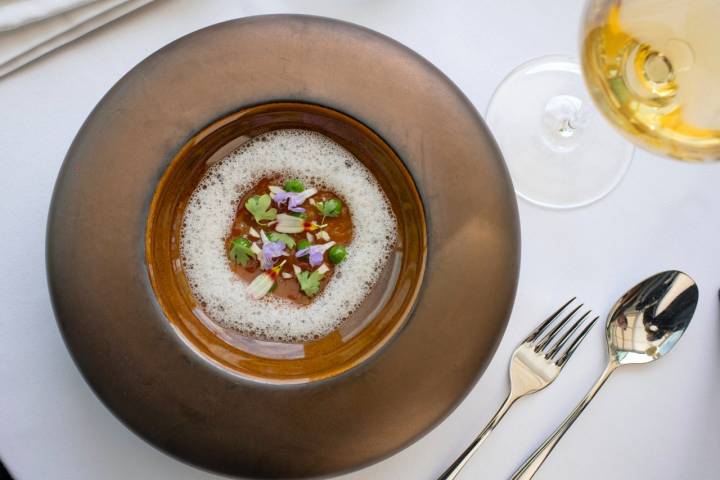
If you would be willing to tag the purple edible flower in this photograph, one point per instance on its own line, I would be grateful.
(270, 251)
(294, 199)
(315, 252)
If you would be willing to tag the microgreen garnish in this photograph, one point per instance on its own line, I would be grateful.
(259, 207)
(241, 250)
(294, 185)
(273, 245)
(309, 281)
(315, 252)
(329, 208)
(282, 237)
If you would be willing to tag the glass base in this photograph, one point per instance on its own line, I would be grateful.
(560, 152)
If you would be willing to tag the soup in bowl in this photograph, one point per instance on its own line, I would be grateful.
(286, 243)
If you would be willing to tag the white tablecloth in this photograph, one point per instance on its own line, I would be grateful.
(658, 422)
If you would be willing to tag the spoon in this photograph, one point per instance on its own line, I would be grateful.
(643, 326)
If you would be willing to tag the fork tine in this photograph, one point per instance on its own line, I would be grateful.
(541, 328)
(573, 346)
(566, 336)
(551, 334)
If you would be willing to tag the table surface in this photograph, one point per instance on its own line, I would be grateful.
(658, 422)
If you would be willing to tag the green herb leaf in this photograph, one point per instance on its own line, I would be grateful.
(258, 206)
(282, 237)
(240, 251)
(330, 208)
(309, 282)
(294, 185)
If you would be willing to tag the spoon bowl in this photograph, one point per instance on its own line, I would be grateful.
(650, 318)
(643, 325)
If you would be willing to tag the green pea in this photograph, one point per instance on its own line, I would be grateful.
(303, 244)
(337, 254)
(294, 185)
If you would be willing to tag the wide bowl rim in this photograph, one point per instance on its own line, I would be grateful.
(496, 224)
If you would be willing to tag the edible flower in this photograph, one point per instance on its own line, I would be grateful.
(264, 282)
(290, 224)
(315, 252)
(270, 251)
(293, 199)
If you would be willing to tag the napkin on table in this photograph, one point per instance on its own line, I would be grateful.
(32, 28)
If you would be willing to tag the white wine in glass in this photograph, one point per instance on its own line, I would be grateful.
(653, 69)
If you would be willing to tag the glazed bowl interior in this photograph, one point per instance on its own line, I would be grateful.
(381, 315)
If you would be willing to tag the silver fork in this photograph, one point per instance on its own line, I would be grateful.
(533, 366)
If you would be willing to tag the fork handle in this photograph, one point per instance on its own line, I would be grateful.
(454, 470)
(532, 464)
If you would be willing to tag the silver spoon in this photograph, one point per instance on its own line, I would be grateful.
(644, 325)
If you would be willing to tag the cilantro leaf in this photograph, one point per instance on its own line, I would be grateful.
(330, 208)
(309, 282)
(258, 206)
(282, 237)
(240, 251)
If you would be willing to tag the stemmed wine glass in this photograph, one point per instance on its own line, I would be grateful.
(652, 68)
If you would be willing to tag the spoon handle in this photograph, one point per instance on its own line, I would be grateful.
(532, 464)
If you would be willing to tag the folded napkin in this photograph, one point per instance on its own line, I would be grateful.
(16, 13)
(41, 30)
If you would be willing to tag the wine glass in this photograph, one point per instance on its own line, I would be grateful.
(652, 68)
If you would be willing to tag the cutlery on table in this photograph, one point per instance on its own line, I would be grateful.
(644, 325)
(533, 366)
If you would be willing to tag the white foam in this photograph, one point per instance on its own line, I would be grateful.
(320, 162)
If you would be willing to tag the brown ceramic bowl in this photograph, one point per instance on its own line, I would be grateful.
(369, 328)
(234, 415)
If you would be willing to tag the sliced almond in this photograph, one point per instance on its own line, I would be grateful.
(323, 269)
(255, 249)
(310, 237)
(297, 269)
(253, 233)
(309, 192)
(286, 275)
(323, 235)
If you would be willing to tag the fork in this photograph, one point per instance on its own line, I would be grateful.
(533, 366)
